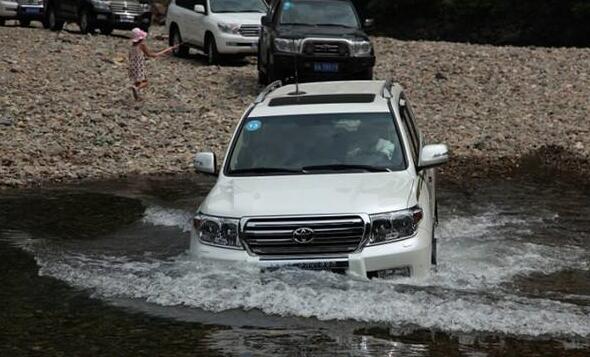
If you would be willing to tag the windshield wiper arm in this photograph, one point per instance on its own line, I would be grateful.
(344, 167)
(265, 170)
(295, 24)
(336, 25)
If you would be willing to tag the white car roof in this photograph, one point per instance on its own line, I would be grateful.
(348, 97)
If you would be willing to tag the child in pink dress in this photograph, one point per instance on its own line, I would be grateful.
(137, 54)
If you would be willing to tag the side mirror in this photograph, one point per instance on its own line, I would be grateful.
(433, 155)
(266, 20)
(369, 24)
(206, 163)
(200, 9)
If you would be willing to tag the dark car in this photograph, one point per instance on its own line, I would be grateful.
(105, 15)
(29, 10)
(322, 39)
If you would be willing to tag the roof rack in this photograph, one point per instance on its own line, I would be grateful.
(386, 90)
(266, 91)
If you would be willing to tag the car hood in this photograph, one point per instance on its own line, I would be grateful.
(321, 31)
(241, 18)
(309, 194)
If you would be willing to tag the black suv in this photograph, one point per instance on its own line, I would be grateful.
(323, 39)
(105, 15)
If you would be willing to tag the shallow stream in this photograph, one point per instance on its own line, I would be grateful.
(102, 268)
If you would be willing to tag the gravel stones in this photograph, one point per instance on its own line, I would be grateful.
(66, 110)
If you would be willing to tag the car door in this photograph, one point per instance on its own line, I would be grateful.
(197, 23)
(184, 17)
(425, 179)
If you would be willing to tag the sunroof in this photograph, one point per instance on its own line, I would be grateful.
(322, 99)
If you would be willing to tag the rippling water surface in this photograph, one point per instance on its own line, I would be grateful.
(105, 265)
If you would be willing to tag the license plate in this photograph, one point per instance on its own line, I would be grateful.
(126, 18)
(32, 11)
(325, 67)
(307, 265)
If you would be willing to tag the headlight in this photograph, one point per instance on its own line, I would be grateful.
(101, 4)
(229, 28)
(393, 226)
(217, 231)
(361, 48)
(146, 7)
(287, 45)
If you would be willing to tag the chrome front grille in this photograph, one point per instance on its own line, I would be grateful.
(332, 235)
(30, 2)
(250, 30)
(326, 48)
(128, 7)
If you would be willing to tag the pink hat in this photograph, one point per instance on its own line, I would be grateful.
(138, 35)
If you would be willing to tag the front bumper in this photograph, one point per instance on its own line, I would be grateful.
(30, 12)
(236, 44)
(347, 67)
(412, 255)
(124, 20)
(8, 9)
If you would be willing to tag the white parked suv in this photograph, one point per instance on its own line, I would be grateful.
(8, 9)
(335, 176)
(217, 27)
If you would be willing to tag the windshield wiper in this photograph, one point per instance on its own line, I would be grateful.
(295, 24)
(336, 25)
(264, 170)
(344, 167)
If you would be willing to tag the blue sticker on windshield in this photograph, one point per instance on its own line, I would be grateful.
(287, 5)
(253, 125)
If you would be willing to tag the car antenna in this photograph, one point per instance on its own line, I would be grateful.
(294, 51)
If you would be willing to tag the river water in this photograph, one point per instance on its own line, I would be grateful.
(102, 269)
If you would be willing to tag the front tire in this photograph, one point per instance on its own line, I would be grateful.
(53, 22)
(106, 30)
(434, 252)
(212, 54)
(367, 75)
(86, 22)
(176, 39)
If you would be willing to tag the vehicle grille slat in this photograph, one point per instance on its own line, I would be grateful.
(331, 235)
(325, 48)
(126, 7)
(250, 30)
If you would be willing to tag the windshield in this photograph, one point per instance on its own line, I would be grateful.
(315, 13)
(238, 6)
(318, 143)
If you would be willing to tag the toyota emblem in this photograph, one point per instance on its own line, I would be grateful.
(303, 235)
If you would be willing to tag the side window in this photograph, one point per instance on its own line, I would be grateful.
(188, 4)
(409, 128)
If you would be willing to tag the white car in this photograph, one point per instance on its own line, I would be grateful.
(8, 10)
(332, 175)
(217, 27)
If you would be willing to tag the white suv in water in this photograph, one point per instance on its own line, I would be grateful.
(216, 27)
(332, 175)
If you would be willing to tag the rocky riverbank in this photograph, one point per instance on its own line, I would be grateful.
(66, 111)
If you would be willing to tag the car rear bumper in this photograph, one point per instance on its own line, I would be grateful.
(346, 67)
(30, 12)
(410, 257)
(123, 21)
(236, 44)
